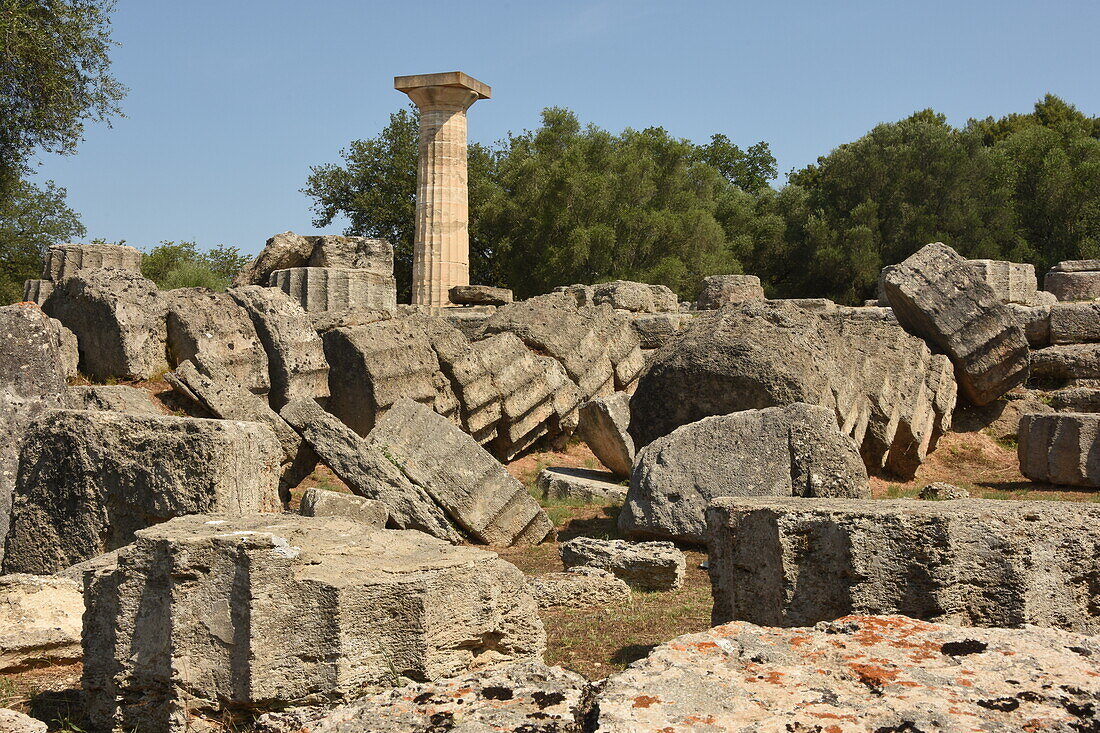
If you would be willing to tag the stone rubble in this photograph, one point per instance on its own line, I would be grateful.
(653, 566)
(324, 503)
(1061, 448)
(582, 586)
(562, 484)
(941, 491)
(39, 621)
(603, 425)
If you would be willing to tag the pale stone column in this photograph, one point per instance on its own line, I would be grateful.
(441, 249)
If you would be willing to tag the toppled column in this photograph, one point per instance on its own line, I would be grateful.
(1061, 448)
(210, 613)
(441, 249)
(320, 289)
(66, 260)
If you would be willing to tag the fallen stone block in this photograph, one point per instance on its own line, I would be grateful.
(88, 480)
(656, 566)
(279, 253)
(1068, 361)
(473, 488)
(1011, 282)
(1068, 285)
(469, 319)
(111, 398)
(39, 621)
(200, 320)
(778, 451)
(636, 297)
(722, 290)
(321, 289)
(526, 697)
(579, 587)
(604, 424)
(120, 322)
(350, 318)
(858, 673)
(578, 293)
(322, 503)
(266, 612)
(941, 491)
(564, 484)
(36, 291)
(1076, 399)
(890, 393)
(16, 722)
(973, 562)
(296, 357)
(936, 296)
(1061, 448)
(352, 253)
(369, 472)
(1035, 322)
(657, 329)
(526, 397)
(68, 348)
(1074, 323)
(479, 295)
(66, 260)
(1076, 266)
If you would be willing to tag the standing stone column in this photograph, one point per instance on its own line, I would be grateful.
(441, 250)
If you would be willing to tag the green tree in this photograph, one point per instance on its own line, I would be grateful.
(31, 219)
(182, 265)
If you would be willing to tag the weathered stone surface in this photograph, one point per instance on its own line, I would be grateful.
(1076, 266)
(604, 424)
(722, 290)
(16, 722)
(793, 562)
(940, 491)
(1035, 321)
(469, 319)
(39, 620)
(635, 296)
(1068, 361)
(270, 611)
(579, 293)
(935, 295)
(646, 565)
(1073, 285)
(579, 587)
(891, 394)
(369, 472)
(479, 295)
(1074, 323)
(795, 450)
(119, 319)
(66, 260)
(858, 673)
(473, 488)
(526, 697)
(200, 320)
(323, 503)
(111, 398)
(321, 289)
(1011, 282)
(296, 357)
(88, 480)
(36, 291)
(281, 251)
(579, 484)
(31, 380)
(328, 320)
(657, 329)
(68, 348)
(1061, 448)
(351, 253)
(817, 305)
(1076, 399)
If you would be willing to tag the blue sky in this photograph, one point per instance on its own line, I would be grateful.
(231, 101)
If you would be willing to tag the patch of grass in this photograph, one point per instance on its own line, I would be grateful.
(1009, 442)
(895, 491)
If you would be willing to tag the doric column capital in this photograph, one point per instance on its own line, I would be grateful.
(452, 99)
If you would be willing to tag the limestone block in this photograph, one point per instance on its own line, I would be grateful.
(213, 612)
(603, 425)
(68, 347)
(39, 621)
(473, 488)
(579, 587)
(525, 697)
(323, 503)
(891, 394)
(579, 485)
(1076, 266)
(795, 450)
(1035, 321)
(120, 322)
(526, 397)
(36, 291)
(722, 290)
(32, 379)
(941, 491)
(1074, 323)
(279, 253)
(328, 320)
(935, 295)
(1061, 448)
(657, 329)
(973, 562)
(479, 295)
(88, 480)
(1068, 361)
(1073, 285)
(654, 566)
(16, 722)
(111, 398)
(66, 260)
(469, 319)
(369, 472)
(1011, 282)
(200, 320)
(635, 296)
(857, 673)
(320, 289)
(1076, 399)
(352, 253)
(581, 294)
(296, 357)
(817, 305)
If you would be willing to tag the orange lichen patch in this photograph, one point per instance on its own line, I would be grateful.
(874, 675)
(697, 720)
(797, 641)
(963, 682)
(705, 646)
(834, 716)
(833, 729)
(774, 677)
(644, 701)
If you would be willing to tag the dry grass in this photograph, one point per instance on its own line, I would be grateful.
(50, 693)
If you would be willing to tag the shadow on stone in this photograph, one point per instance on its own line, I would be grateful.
(631, 653)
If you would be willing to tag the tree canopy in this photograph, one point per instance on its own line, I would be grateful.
(183, 265)
(31, 219)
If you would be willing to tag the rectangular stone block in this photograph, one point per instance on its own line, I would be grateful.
(66, 260)
(1074, 323)
(1073, 285)
(1011, 282)
(320, 289)
(1061, 448)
